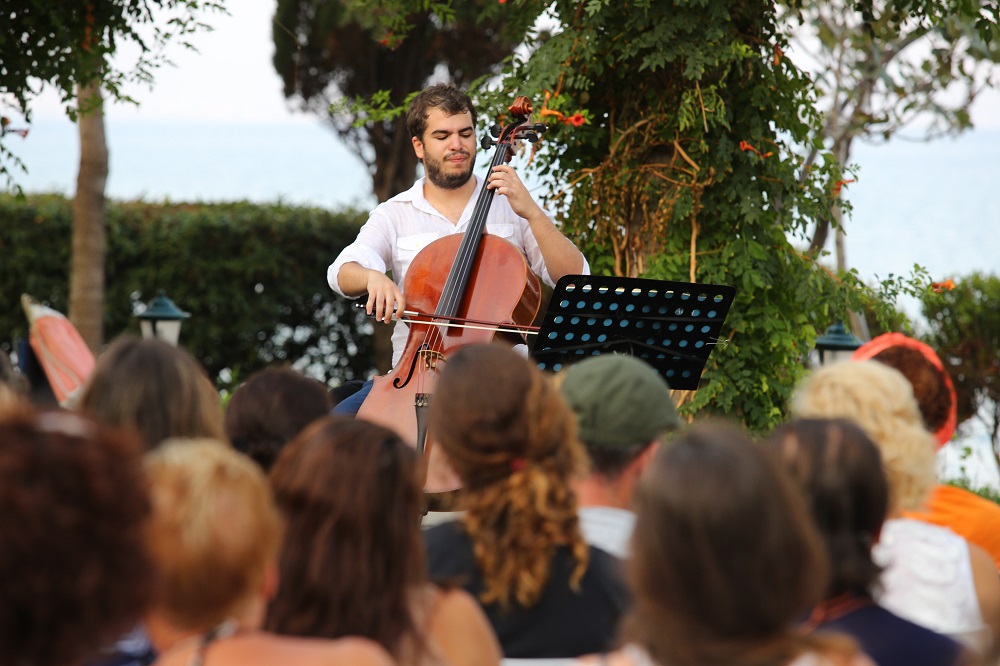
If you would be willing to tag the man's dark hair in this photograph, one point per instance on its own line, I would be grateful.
(610, 463)
(444, 96)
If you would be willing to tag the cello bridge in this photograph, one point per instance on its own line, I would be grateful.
(431, 358)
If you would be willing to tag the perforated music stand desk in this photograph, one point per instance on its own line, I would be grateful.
(672, 326)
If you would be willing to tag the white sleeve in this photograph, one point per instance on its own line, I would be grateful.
(534, 254)
(372, 249)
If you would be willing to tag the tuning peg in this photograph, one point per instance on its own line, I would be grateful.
(495, 130)
(530, 137)
(540, 128)
(486, 142)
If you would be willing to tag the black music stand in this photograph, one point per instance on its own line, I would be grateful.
(672, 326)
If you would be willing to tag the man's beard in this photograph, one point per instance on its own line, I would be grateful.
(451, 181)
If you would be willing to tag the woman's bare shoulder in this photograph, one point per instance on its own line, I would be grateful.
(461, 629)
(360, 651)
(616, 658)
(267, 648)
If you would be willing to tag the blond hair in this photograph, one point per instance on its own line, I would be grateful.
(214, 531)
(880, 400)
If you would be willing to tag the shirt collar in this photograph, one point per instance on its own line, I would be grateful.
(415, 195)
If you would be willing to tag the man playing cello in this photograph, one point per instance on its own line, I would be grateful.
(442, 121)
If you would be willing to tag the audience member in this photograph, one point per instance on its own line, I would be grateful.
(623, 409)
(214, 536)
(725, 561)
(74, 569)
(839, 470)
(344, 391)
(510, 438)
(156, 388)
(272, 407)
(969, 515)
(932, 576)
(352, 561)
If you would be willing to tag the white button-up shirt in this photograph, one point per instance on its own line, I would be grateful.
(405, 224)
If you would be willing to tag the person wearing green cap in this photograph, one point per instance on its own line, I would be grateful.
(623, 410)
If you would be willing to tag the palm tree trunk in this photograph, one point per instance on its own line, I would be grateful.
(86, 282)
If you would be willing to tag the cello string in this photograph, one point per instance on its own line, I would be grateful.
(467, 254)
(459, 275)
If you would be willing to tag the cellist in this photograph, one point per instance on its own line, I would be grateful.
(442, 122)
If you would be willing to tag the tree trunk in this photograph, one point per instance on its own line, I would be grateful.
(86, 282)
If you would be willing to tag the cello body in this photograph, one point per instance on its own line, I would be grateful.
(500, 287)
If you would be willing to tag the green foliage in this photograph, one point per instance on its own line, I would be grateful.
(252, 277)
(331, 53)
(693, 169)
(66, 44)
(986, 492)
(964, 329)
(698, 159)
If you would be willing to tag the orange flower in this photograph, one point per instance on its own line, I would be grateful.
(549, 112)
(947, 285)
(839, 184)
(503, 2)
(745, 146)
(777, 55)
(575, 120)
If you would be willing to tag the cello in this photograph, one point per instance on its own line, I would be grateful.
(472, 276)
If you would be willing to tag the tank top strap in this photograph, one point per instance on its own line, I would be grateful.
(222, 630)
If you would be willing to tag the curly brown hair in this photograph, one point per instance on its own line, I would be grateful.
(352, 558)
(74, 569)
(444, 96)
(930, 384)
(511, 438)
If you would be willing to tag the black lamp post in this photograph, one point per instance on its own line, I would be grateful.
(162, 319)
(836, 344)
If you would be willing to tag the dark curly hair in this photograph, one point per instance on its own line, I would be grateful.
(930, 386)
(74, 569)
(444, 96)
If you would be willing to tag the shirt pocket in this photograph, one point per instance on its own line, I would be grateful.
(407, 248)
(503, 230)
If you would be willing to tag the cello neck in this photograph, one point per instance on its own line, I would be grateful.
(458, 276)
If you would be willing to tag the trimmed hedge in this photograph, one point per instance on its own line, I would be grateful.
(252, 276)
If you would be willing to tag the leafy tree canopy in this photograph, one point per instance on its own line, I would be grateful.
(891, 66)
(65, 44)
(964, 328)
(678, 145)
(332, 52)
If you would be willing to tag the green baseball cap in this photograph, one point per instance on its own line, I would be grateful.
(619, 401)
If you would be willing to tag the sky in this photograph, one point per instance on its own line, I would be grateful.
(231, 78)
